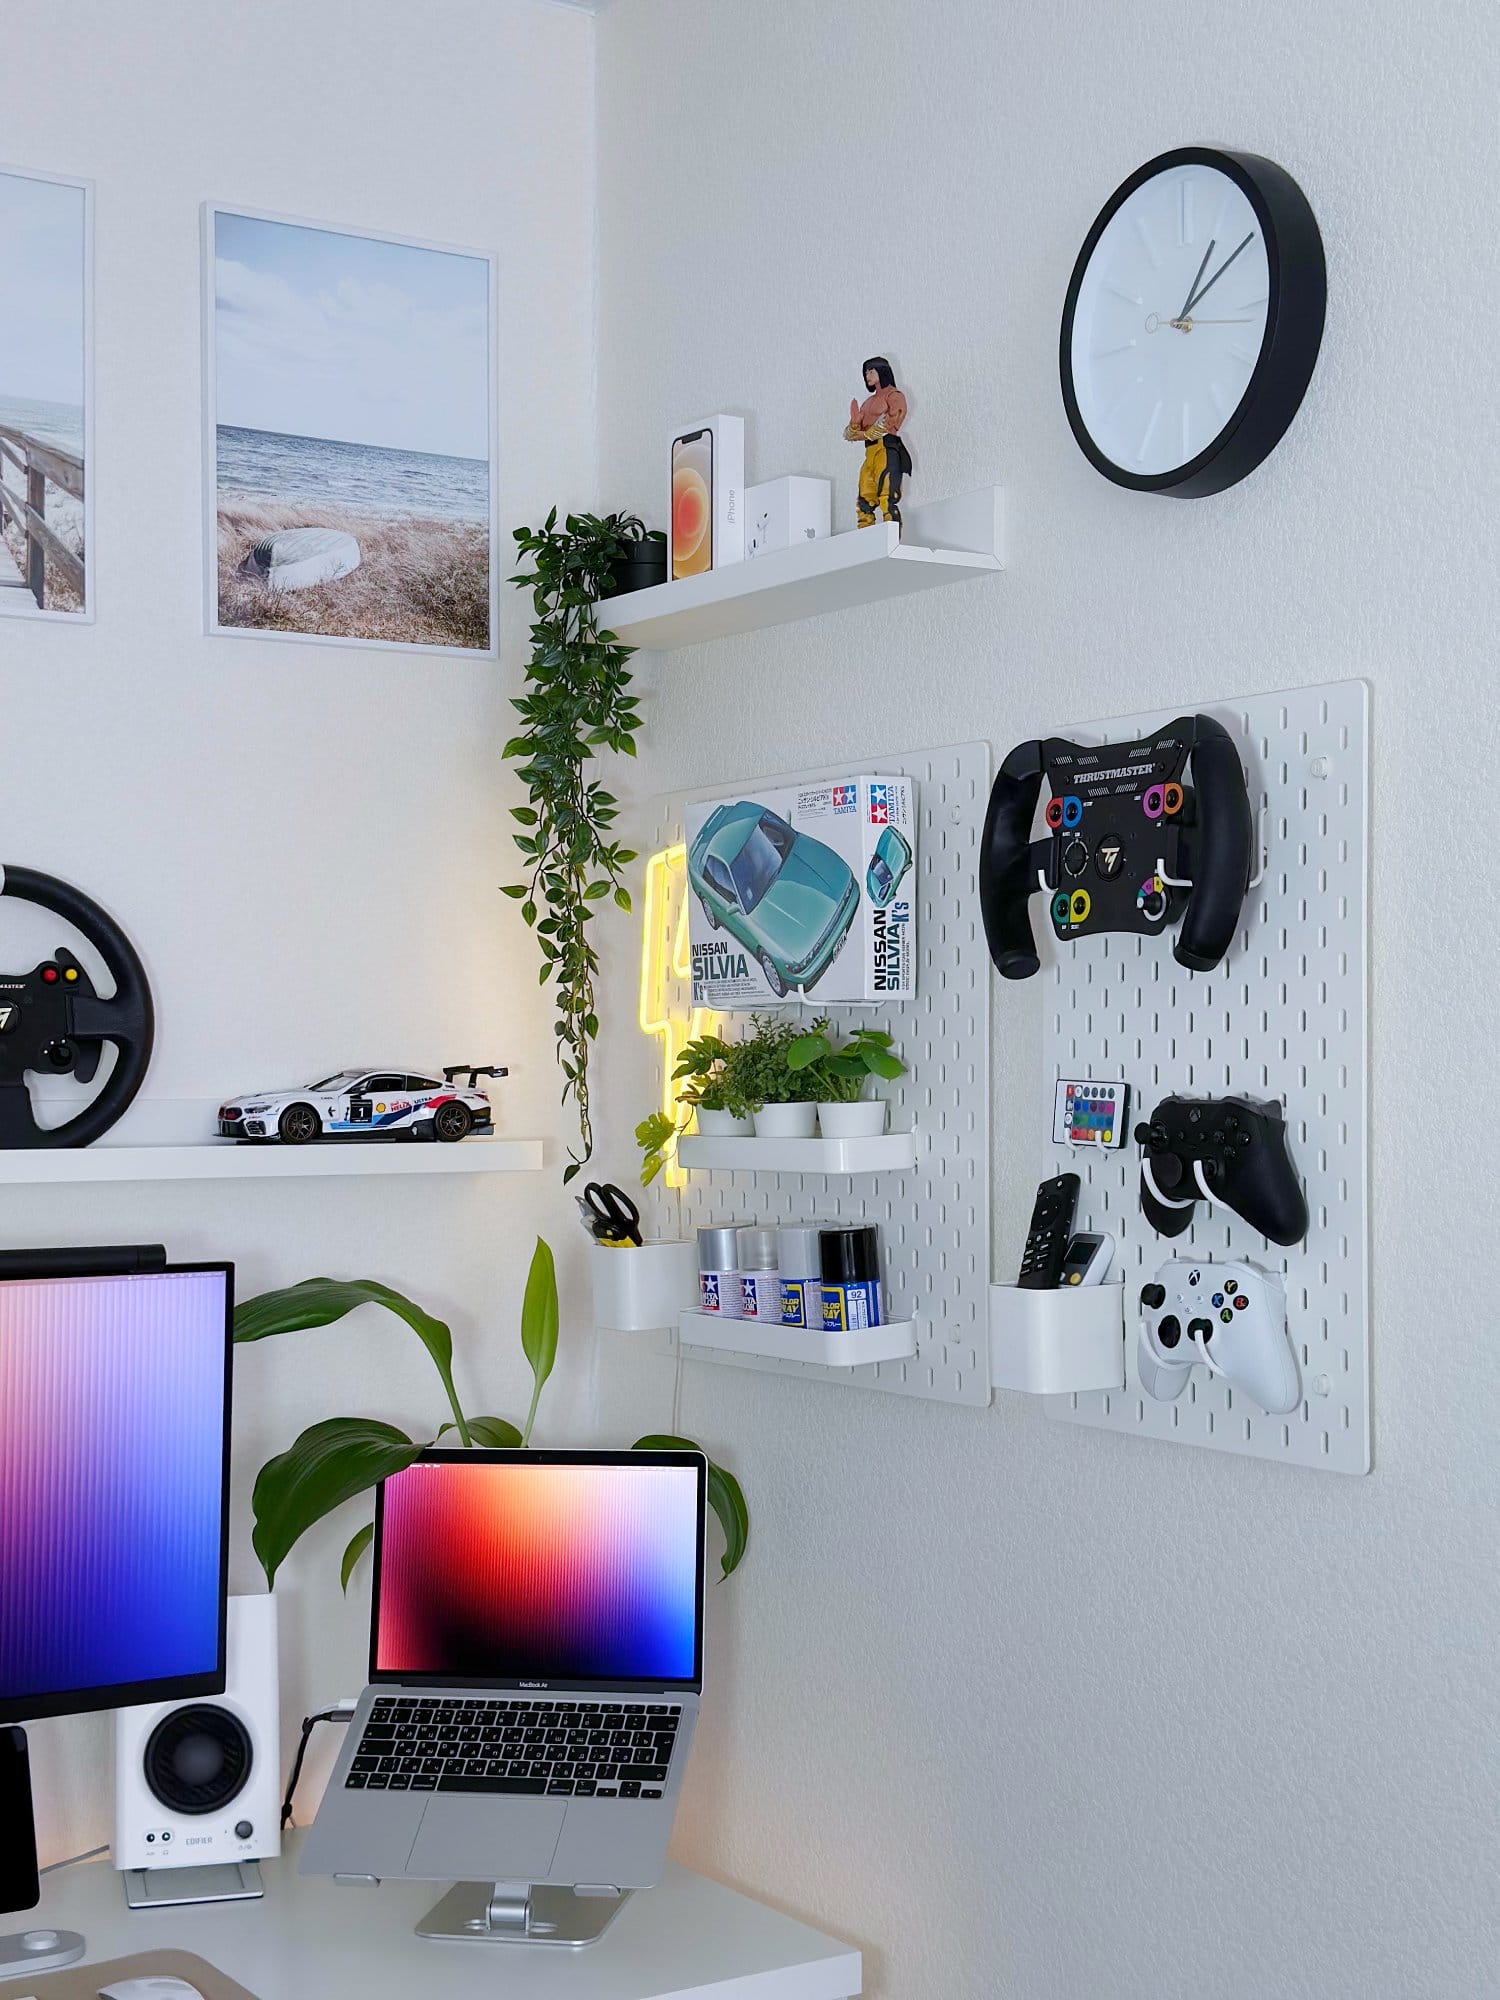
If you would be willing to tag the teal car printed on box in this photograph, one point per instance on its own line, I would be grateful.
(788, 898)
(888, 864)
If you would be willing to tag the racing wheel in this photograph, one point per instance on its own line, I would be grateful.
(53, 1023)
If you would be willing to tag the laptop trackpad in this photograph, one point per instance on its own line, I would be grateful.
(487, 1838)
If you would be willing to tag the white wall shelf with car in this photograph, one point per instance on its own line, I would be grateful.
(945, 541)
(227, 1160)
(929, 1201)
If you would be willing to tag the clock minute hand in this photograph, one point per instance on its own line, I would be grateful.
(1196, 294)
(1193, 288)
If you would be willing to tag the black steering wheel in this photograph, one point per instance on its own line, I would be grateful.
(52, 1022)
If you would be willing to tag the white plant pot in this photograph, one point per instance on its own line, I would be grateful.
(864, 1119)
(786, 1121)
(723, 1125)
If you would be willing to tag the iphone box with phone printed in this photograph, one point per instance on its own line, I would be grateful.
(706, 520)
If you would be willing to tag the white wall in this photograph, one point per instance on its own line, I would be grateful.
(1022, 1708)
(305, 841)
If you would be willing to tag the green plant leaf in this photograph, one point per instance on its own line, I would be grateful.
(320, 1301)
(359, 1543)
(724, 1496)
(495, 1433)
(539, 1318)
(327, 1465)
(806, 1050)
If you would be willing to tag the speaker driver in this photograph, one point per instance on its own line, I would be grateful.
(198, 1759)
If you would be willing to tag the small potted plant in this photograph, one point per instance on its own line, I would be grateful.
(706, 1068)
(782, 1101)
(839, 1074)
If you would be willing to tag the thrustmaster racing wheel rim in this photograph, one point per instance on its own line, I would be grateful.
(59, 1023)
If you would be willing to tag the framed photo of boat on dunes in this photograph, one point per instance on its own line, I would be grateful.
(350, 436)
(46, 396)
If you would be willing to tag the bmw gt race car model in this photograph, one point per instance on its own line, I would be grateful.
(365, 1103)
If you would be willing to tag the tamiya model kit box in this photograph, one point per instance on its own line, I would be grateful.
(803, 890)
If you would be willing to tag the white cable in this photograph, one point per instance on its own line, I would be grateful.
(1152, 1189)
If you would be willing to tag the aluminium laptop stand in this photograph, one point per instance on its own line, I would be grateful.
(523, 1913)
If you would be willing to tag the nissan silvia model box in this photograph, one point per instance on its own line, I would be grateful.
(805, 889)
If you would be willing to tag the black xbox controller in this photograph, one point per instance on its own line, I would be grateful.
(54, 1023)
(1130, 845)
(1226, 1149)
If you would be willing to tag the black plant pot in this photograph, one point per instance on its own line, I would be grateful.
(645, 564)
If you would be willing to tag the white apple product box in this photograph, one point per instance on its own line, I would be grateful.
(726, 436)
(803, 889)
(780, 512)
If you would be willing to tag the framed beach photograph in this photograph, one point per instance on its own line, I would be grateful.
(350, 435)
(46, 395)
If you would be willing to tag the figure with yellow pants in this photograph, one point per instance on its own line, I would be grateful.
(876, 424)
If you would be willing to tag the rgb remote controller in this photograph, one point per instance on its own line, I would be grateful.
(1085, 1113)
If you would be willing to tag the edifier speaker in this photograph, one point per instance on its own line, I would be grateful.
(199, 1782)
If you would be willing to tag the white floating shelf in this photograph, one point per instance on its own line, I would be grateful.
(852, 1348)
(225, 1160)
(945, 542)
(891, 1152)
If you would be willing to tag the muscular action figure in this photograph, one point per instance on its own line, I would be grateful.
(876, 423)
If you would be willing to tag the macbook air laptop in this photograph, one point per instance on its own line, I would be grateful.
(536, 1661)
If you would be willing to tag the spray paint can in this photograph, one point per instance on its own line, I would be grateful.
(801, 1274)
(850, 1265)
(719, 1272)
(760, 1281)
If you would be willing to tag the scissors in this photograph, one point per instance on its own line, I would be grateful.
(610, 1213)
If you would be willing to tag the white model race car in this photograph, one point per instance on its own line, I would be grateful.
(365, 1103)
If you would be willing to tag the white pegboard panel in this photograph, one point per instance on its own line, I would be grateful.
(1284, 1016)
(933, 1217)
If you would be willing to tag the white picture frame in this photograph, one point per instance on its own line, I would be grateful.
(42, 445)
(279, 378)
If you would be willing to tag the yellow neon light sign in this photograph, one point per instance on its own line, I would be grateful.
(665, 958)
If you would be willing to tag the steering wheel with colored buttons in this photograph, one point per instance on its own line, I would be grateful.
(54, 1023)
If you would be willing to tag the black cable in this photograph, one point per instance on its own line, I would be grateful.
(309, 1723)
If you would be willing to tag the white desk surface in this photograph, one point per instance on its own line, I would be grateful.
(688, 1938)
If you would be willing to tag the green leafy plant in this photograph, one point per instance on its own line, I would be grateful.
(835, 1072)
(756, 1068)
(705, 1068)
(578, 702)
(342, 1457)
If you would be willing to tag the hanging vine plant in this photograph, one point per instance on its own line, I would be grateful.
(578, 702)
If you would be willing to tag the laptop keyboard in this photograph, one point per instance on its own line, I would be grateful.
(556, 1749)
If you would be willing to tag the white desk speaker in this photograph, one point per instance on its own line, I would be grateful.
(199, 1782)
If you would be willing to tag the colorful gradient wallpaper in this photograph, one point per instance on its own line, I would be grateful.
(567, 1572)
(111, 1471)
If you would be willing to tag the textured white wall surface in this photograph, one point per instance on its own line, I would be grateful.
(1022, 1709)
(305, 841)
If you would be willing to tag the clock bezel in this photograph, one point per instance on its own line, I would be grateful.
(1296, 305)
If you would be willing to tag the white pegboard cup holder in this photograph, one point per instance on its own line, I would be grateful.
(1058, 1342)
(643, 1286)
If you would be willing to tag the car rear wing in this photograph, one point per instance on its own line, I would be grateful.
(473, 1071)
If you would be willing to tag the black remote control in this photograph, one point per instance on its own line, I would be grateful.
(1051, 1228)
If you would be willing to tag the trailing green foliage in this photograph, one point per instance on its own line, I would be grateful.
(578, 702)
(342, 1457)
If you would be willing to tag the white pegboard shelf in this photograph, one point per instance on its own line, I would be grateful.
(1283, 1017)
(946, 541)
(829, 1347)
(1044, 1343)
(934, 1217)
(225, 1160)
(886, 1153)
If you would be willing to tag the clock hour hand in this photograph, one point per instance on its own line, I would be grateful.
(1196, 294)
(1193, 288)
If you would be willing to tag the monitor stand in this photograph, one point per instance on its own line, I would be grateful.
(520, 1913)
(39, 1950)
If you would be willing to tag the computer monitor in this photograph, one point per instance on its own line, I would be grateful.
(114, 1466)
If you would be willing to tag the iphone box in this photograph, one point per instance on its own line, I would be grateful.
(706, 520)
(805, 889)
(782, 511)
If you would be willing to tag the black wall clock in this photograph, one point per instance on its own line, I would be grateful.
(1193, 321)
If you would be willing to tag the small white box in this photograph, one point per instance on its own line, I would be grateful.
(779, 512)
(706, 517)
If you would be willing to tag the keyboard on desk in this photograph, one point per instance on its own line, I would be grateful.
(558, 1749)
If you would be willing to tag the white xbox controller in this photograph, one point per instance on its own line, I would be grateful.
(1232, 1318)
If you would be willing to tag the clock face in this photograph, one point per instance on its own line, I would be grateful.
(1168, 320)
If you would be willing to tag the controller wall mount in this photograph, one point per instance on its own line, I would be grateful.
(1284, 1016)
